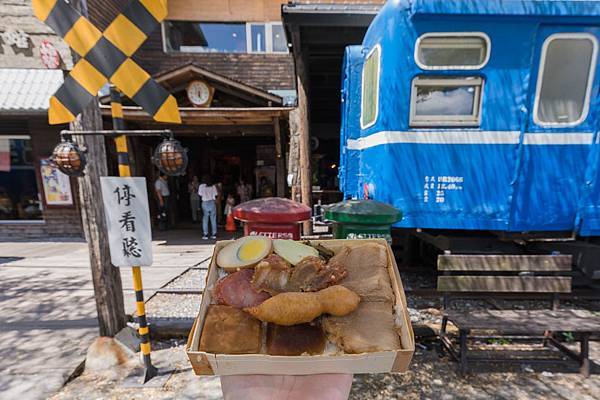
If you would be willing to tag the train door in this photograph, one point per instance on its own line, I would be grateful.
(559, 129)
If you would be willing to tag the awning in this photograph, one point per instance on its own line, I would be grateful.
(27, 91)
(330, 14)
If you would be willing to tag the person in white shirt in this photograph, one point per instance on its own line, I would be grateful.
(208, 193)
(161, 187)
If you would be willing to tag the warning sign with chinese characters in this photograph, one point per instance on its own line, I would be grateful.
(128, 221)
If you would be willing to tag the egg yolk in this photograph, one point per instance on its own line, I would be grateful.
(251, 250)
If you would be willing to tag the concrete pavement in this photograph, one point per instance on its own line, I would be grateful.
(47, 308)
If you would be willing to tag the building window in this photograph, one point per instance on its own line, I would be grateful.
(446, 101)
(565, 77)
(229, 37)
(19, 194)
(370, 88)
(258, 38)
(202, 37)
(456, 50)
(278, 38)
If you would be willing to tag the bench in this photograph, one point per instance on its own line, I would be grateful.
(502, 275)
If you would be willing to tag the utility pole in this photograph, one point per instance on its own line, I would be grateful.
(108, 289)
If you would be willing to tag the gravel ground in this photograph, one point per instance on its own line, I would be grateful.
(167, 305)
(193, 278)
(430, 377)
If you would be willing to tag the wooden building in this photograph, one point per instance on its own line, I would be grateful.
(35, 199)
(229, 66)
(318, 32)
(257, 83)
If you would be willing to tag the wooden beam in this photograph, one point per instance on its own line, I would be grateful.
(279, 159)
(212, 116)
(526, 321)
(300, 117)
(461, 262)
(531, 284)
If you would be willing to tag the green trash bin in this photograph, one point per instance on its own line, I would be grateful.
(362, 219)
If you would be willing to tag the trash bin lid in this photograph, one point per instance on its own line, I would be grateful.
(273, 210)
(362, 212)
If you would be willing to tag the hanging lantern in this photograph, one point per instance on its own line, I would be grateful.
(69, 158)
(170, 157)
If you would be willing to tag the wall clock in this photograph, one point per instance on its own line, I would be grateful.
(199, 93)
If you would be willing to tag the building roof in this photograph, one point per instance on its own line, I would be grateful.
(184, 73)
(27, 90)
(344, 14)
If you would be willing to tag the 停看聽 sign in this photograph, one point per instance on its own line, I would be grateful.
(128, 221)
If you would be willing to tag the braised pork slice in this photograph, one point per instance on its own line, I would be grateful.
(271, 275)
(367, 269)
(313, 274)
(236, 290)
(274, 275)
(370, 328)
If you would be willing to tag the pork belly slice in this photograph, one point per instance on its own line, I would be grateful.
(236, 290)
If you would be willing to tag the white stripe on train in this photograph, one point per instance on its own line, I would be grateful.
(468, 137)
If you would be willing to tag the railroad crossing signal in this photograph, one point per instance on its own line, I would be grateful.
(106, 57)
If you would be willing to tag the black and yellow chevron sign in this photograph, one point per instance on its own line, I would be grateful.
(106, 56)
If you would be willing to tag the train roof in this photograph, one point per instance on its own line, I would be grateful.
(566, 8)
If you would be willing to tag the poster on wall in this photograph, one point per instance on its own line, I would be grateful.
(57, 186)
(5, 155)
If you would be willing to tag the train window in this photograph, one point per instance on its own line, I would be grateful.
(370, 89)
(455, 50)
(446, 101)
(565, 77)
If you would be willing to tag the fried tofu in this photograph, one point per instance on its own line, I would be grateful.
(295, 340)
(228, 330)
(370, 328)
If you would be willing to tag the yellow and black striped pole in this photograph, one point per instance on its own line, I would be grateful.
(125, 171)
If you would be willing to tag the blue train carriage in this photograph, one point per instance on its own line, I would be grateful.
(349, 168)
(480, 115)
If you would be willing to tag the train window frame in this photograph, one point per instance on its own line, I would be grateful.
(363, 125)
(590, 82)
(426, 67)
(472, 120)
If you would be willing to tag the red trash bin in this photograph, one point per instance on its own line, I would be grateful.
(273, 217)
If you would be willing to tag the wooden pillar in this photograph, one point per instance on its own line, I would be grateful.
(300, 117)
(279, 159)
(108, 289)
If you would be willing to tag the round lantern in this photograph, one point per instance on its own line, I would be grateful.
(69, 158)
(170, 157)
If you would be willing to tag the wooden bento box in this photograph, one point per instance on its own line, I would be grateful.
(379, 362)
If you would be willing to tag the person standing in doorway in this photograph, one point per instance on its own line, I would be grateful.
(193, 187)
(208, 193)
(219, 202)
(266, 187)
(161, 187)
(244, 191)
